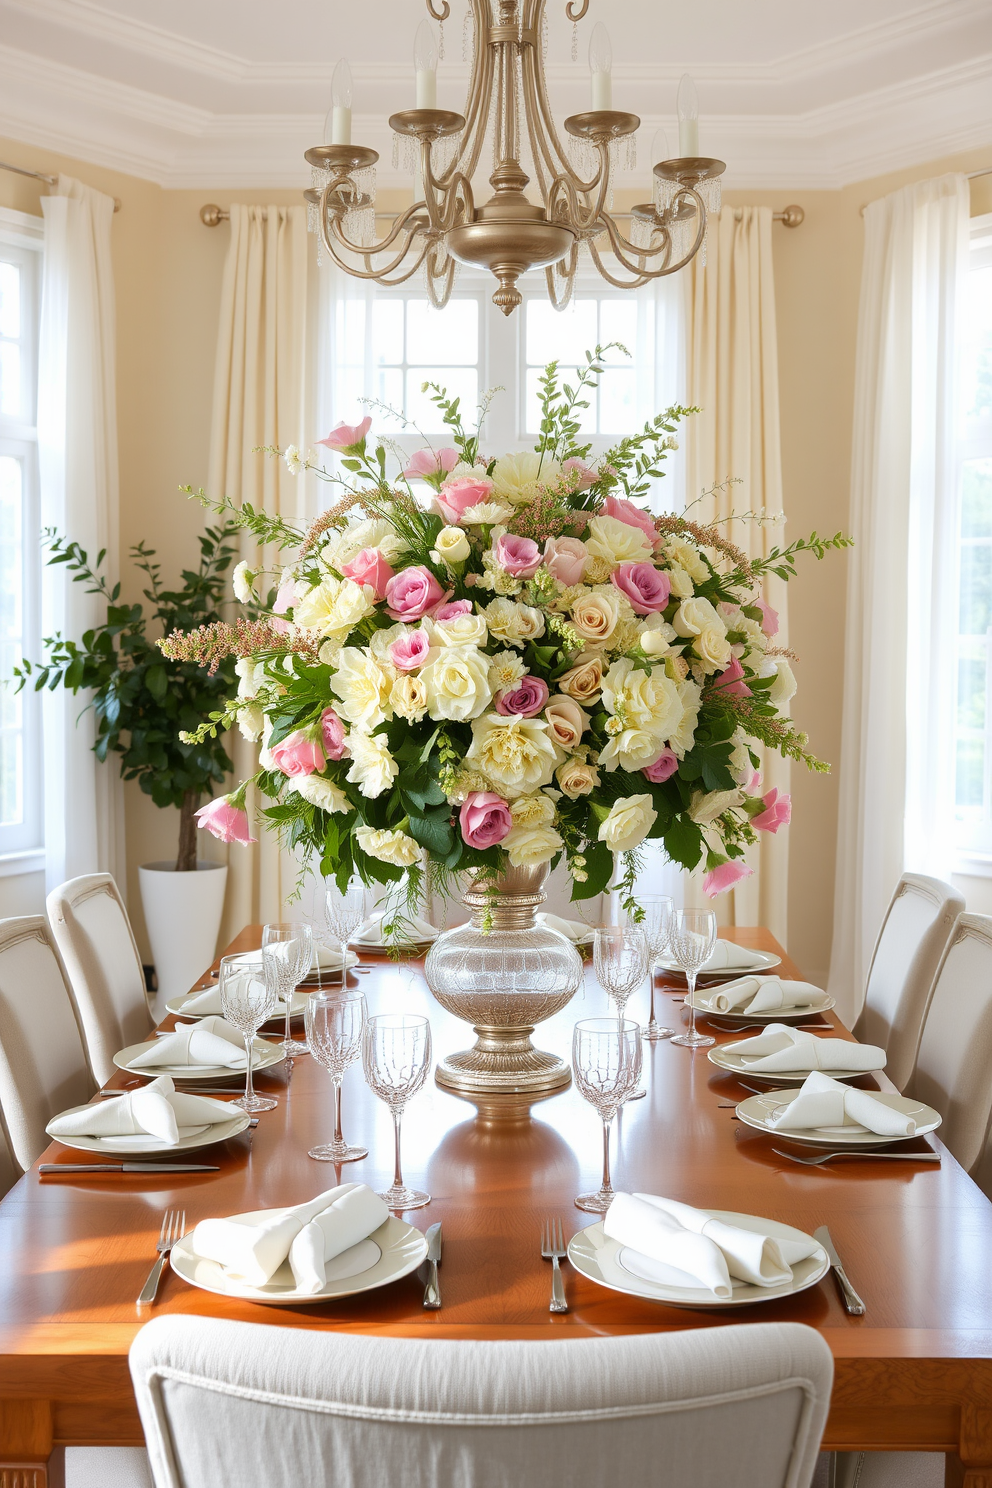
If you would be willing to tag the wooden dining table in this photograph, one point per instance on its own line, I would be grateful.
(914, 1373)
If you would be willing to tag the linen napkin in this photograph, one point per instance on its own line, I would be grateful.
(781, 1048)
(307, 1236)
(411, 929)
(327, 958)
(708, 1249)
(211, 1041)
(825, 1102)
(158, 1110)
(576, 930)
(761, 994)
(727, 953)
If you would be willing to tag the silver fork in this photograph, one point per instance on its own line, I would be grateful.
(173, 1229)
(552, 1249)
(864, 1152)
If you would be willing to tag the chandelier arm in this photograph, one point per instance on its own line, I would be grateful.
(554, 151)
(477, 101)
(576, 14)
(368, 253)
(619, 245)
(379, 276)
(362, 249)
(440, 297)
(611, 278)
(444, 10)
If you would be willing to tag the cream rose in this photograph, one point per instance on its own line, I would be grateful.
(688, 557)
(516, 754)
(518, 479)
(452, 546)
(629, 822)
(334, 607)
(512, 622)
(566, 722)
(460, 630)
(320, 792)
(408, 698)
(631, 749)
(457, 683)
(697, 619)
(706, 806)
(375, 532)
(594, 616)
(533, 811)
(584, 679)
(251, 721)
(373, 768)
(642, 699)
(783, 689)
(251, 677)
(527, 845)
(617, 542)
(680, 581)
(389, 847)
(681, 740)
(576, 779)
(362, 688)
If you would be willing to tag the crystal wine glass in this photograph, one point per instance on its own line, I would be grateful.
(249, 991)
(345, 912)
(396, 1054)
(289, 947)
(335, 1021)
(620, 956)
(606, 1062)
(659, 912)
(693, 939)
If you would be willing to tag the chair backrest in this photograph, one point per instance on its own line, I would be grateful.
(94, 935)
(244, 1405)
(910, 943)
(954, 1064)
(43, 1067)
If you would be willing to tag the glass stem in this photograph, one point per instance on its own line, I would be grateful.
(690, 981)
(397, 1168)
(289, 1002)
(250, 1051)
(344, 964)
(337, 1110)
(652, 1025)
(607, 1185)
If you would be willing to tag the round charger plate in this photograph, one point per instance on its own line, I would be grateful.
(727, 973)
(393, 1250)
(138, 1144)
(775, 1015)
(406, 947)
(734, 1064)
(758, 1109)
(266, 1055)
(605, 1261)
(296, 1009)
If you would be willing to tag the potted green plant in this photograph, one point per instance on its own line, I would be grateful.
(142, 704)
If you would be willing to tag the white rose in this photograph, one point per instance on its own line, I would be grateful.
(373, 768)
(452, 545)
(629, 822)
(457, 683)
(697, 618)
(388, 847)
(519, 479)
(653, 643)
(530, 844)
(251, 676)
(512, 622)
(461, 630)
(516, 754)
(783, 689)
(374, 532)
(739, 764)
(642, 700)
(617, 542)
(334, 607)
(320, 792)
(251, 721)
(680, 741)
(362, 688)
(594, 615)
(680, 581)
(706, 806)
(631, 749)
(330, 651)
(408, 697)
(693, 616)
(688, 558)
(242, 579)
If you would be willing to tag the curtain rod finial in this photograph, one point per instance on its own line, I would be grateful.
(211, 215)
(792, 216)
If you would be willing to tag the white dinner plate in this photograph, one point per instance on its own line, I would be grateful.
(734, 1064)
(405, 947)
(758, 1109)
(612, 1265)
(266, 1054)
(393, 1250)
(296, 1010)
(773, 1015)
(729, 973)
(219, 1131)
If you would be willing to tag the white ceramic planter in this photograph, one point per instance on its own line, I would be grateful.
(182, 913)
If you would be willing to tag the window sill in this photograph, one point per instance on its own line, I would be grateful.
(973, 865)
(28, 860)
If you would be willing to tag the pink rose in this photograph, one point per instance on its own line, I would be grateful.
(452, 610)
(663, 768)
(369, 567)
(348, 436)
(769, 617)
(525, 699)
(645, 586)
(457, 496)
(288, 596)
(520, 557)
(777, 813)
(298, 754)
(225, 820)
(410, 651)
(586, 475)
(332, 735)
(430, 465)
(634, 516)
(718, 880)
(485, 819)
(412, 593)
(731, 680)
(565, 558)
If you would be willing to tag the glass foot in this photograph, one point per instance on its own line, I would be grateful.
(653, 1033)
(404, 1198)
(693, 1040)
(595, 1203)
(255, 1103)
(338, 1152)
(294, 1048)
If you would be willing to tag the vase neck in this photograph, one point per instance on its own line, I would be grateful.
(504, 910)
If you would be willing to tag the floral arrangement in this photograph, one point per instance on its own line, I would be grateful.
(484, 661)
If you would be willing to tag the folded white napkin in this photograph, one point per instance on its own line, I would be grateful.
(707, 1249)
(409, 928)
(728, 953)
(761, 994)
(576, 930)
(327, 958)
(308, 1236)
(825, 1102)
(784, 1048)
(211, 1041)
(158, 1110)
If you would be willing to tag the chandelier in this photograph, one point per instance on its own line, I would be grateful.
(508, 119)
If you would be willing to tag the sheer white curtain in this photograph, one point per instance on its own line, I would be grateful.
(77, 454)
(897, 769)
(732, 377)
(260, 399)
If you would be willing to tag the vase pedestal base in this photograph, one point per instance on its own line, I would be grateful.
(503, 1060)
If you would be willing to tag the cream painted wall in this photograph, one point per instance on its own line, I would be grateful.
(168, 270)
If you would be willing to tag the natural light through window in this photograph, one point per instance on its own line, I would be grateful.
(589, 322)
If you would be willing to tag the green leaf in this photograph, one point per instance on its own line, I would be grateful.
(684, 842)
(599, 867)
(157, 682)
(433, 832)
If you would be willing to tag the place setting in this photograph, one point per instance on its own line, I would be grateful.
(761, 999)
(788, 1055)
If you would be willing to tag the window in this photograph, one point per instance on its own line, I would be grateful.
(973, 782)
(20, 713)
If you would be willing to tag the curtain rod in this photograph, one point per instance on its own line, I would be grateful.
(212, 216)
(19, 170)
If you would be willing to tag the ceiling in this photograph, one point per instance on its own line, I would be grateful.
(228, 93)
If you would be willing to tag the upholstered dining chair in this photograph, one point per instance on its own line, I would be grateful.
(242, 1405)
(914, 933)
(94, 935)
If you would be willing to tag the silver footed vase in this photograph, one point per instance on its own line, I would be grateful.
(504, 974)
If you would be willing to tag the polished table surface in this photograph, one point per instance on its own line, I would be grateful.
(916, 1371)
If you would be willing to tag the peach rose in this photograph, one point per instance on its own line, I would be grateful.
(584, 680)
(566, 722)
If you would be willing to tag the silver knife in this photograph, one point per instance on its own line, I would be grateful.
(432, 1291)
(852, 1302)
(131, 1167)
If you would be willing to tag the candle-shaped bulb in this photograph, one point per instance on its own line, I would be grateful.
(337, 125)
(601, 67)
(659, 147)
(425, 59)
(688, 106)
